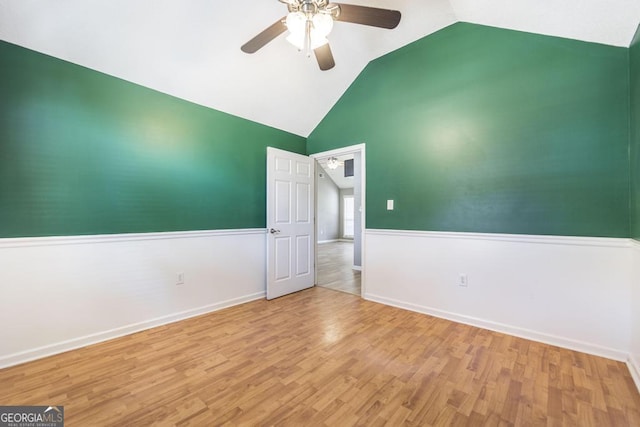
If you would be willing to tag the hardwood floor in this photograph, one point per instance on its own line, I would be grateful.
(335, 267)
(321, 357)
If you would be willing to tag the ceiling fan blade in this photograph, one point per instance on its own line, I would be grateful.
(324, 57)
(264, 37)
(373, 16)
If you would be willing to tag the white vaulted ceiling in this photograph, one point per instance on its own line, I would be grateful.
(191, 48)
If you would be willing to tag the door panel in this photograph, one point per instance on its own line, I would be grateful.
(283, 202)
(290, 241)
(303, 245)
(282, 258)
(302, 209)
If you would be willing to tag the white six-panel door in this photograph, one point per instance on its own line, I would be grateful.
(290, 223)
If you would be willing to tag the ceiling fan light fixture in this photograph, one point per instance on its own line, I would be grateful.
(318, 25)
(309, 22)
(333, 163)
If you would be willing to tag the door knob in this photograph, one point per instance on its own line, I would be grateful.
(273, 231)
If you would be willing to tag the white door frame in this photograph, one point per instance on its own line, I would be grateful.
(358, 148)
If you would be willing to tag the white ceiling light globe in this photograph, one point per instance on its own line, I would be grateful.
(298, 40)
(322, 23)
(296, 22)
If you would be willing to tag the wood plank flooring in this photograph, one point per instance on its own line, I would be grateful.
(335, 267)
(321, 357)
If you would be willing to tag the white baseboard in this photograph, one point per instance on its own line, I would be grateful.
(634, 369)
(505, 329)
(320, 242)
(64, 346)
(573, 292)
(71, 291)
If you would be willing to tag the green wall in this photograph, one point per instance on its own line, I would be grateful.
(85, 153)
(634, 56)
(482, 129)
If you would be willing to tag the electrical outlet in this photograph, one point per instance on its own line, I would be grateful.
(180, 279)
(463, 280)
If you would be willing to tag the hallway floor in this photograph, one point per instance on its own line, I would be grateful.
(335, 267)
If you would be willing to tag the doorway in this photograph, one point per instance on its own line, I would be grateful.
(335, 267)
(340, 219)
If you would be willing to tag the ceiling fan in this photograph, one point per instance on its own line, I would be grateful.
(310, 21)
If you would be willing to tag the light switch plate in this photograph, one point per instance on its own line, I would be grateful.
(389, 205)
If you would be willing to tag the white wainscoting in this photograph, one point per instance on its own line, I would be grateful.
(60, 293)
(573, 292)
(634, 353)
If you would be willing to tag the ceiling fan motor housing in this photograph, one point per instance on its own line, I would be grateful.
(312, 7)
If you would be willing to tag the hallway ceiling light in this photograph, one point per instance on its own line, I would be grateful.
(333, 163)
